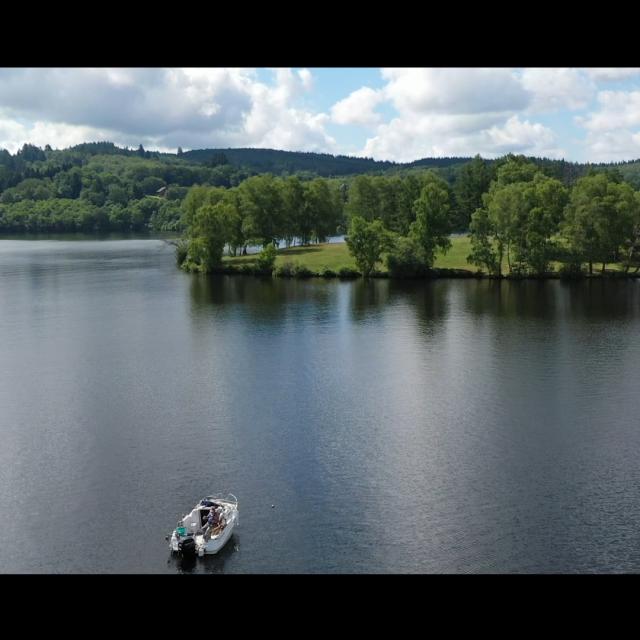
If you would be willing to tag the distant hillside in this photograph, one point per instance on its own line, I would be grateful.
(322, 164)
(278, 162)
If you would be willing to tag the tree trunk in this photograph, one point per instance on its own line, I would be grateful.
(590, 268)
(603, 266)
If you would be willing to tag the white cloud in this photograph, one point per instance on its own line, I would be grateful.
(358, 108)
(458, 112)
(454, 91)
(14, 134)
(306, 79)
(516, 136)
(554, 89)
(610, 74)
(438, 112)
(618, 109)
(610, 146)
(192, 108)
(443, 135)
(613, 130)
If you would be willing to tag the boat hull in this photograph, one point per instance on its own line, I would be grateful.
(210, 545)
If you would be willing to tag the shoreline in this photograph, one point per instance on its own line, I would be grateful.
(433, 274)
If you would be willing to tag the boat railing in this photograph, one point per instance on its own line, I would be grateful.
(225, 498)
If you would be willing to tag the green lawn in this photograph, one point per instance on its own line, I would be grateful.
(315, 257)
(335, 256)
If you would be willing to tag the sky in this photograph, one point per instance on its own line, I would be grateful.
(400, 114)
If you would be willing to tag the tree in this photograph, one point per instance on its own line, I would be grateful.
(406, 258)
(367, 241)
(473, 181)
(521, 213)
(543, 202)
(631, 244)
(321, 208)
(261, 207)
(267, 258)
(431, 227)
(483, 251)
(599, 218)
(512, 169)
(409, 193)
(364, 200)
(207, 236)
(295, 214)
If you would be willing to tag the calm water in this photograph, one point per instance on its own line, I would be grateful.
(454, 426)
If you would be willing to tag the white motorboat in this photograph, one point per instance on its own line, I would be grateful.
(207, 528)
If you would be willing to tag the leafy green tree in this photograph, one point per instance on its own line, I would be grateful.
(543, 202)
(261, 206)
(484, 252)
(117, 195)
(473, 181)
(514, 169)
(267, 258)
(207, 236)
(631, 244)
(431, 227)
(367, 240)
(521, 214)
(321, 208)
(364, 200)
(406, 259)
(298, 222)
(599, 218)
(411, 187)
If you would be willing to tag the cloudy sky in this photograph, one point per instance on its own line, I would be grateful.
(387, 114)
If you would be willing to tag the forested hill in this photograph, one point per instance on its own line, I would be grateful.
(98, 186)
(278, 162)
(321, 164)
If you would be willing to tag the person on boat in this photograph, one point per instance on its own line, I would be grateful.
(213, 520)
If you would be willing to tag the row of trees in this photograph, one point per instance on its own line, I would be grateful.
(391, 198)
(412, 253)
(68, 215)
(525, 219)
(530, 219)
(263, 210)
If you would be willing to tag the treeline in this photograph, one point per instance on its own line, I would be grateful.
(100, 187)
(261, 211)
(525, 219)
(289, 162)
(519, 218)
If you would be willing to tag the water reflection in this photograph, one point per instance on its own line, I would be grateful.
(494, 422)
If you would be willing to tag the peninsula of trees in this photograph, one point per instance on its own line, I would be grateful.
(524, 216)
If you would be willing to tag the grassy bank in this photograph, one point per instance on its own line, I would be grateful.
(319, 257)
(334, 257)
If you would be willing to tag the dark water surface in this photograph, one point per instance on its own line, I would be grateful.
(452, 426)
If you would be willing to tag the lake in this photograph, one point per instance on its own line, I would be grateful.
(396, 427)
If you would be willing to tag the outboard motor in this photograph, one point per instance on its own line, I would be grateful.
(187, 547)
